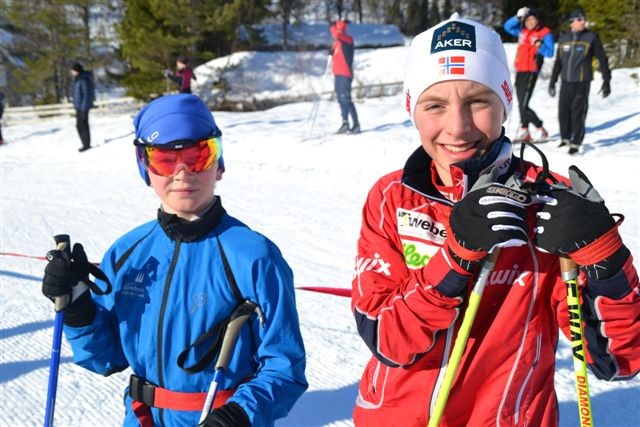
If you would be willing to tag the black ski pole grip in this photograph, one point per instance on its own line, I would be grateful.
(63, 244)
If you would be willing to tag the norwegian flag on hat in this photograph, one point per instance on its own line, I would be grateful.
(451, 65)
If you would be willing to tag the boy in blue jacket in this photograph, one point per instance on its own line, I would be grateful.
(175, 282)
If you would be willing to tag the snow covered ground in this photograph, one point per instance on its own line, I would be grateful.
(305, 194)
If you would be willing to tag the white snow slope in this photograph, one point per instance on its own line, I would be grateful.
(306, 195)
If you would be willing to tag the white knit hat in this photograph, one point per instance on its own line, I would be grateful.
(457, 49)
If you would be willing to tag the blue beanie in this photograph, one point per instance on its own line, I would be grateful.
(172, 118)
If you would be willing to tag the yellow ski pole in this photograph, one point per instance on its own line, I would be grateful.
(569, 272)
(461, 340)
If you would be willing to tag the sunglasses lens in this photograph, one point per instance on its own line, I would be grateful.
(197, 157)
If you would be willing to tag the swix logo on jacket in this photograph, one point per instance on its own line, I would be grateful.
(454, 35)
(510, 276)
(375, 265)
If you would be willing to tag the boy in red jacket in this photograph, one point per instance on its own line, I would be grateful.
(425, 229)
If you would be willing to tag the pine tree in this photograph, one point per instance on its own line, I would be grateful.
(155, 32)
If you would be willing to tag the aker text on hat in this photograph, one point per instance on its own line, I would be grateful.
(454, 35)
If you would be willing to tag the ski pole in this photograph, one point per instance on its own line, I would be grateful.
(63, 243)
(569, 273)
(316, 104)
(461, 340)
(238, 318)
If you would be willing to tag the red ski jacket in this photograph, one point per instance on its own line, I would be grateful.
(342, 53)
(506, 374)
(533, 45)
(185, 76)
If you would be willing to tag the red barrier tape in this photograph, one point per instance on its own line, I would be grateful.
(341, 292)
(23, 256)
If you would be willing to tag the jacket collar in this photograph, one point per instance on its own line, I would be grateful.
(178, 229)
(417, 171)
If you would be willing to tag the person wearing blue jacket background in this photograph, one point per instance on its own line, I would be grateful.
(175, 282)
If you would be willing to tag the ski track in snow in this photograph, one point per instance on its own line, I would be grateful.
(306, 196)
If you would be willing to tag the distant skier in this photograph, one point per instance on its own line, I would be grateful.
(426, 228)
(342, 67)
(535, 42)
(83, 93)
(182, 76)
(176, 281)
(574, 63)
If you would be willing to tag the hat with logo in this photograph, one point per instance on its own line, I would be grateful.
(173, 118)
(457, 49)
(577, 13)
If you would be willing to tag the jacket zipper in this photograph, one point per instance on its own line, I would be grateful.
(374, 380)
(163, 308)
(570, 64)
(527, 378)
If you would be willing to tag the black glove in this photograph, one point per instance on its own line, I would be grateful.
(67, 275)
(491, 215)
(552, 89)
(605, 89)
(575, 222)
(228, 415)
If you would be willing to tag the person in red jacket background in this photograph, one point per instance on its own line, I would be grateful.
(342, 68)
(183, 75)
(462, 195)
(535, 42)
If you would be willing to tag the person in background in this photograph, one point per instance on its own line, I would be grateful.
(574, 58)
(342, 52)
(83, 93)
(462, 195)
(183, 75)
(535, 42)
(1, 113)
(176, 280)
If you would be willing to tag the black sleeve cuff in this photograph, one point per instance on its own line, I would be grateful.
(229, 415)
(608, 267)
(81, 312)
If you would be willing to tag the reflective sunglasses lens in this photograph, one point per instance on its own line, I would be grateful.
(197, 157)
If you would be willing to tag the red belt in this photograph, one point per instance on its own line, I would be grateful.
(146, 395)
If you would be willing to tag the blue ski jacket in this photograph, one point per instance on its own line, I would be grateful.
(169, 288)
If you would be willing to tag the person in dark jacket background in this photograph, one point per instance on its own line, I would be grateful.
(576, 49)
(183, 75)
(535, 42)
(342, 68)
(83, 97)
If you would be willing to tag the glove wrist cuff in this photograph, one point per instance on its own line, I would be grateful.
(601, 248)
(466, 254)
